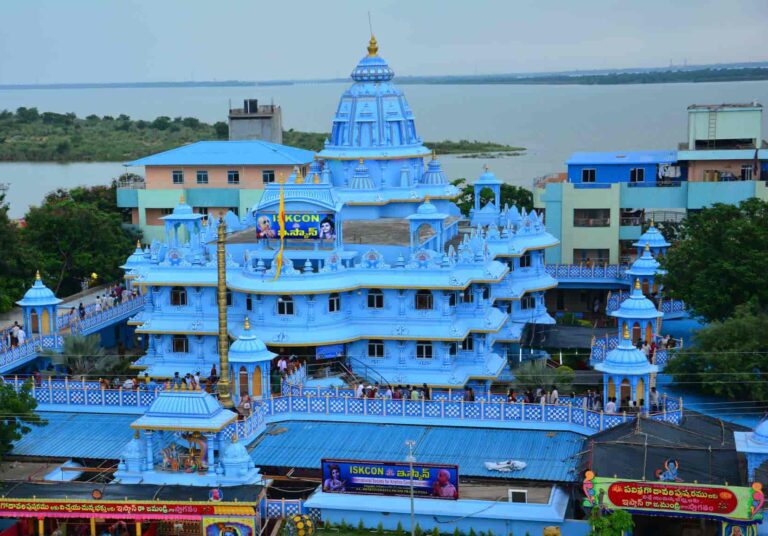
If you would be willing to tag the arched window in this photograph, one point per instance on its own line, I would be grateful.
(375, 299)
(423, 350)
(180, 344)
(423, 300)
(178, 296)
(285, 305)
(334, 303)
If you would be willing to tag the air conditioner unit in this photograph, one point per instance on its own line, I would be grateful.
(517, 495)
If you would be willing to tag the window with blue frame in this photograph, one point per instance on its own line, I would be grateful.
(588, 175)
(423, 350)
(376, 348)
(637, 175)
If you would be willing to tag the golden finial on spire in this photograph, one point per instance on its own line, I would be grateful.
(136, 434)
(637, 284)
(625, 333)
(373, 46)
(647, 246)
(362, 162)
(181, 199)
(434, 154)
(247, 324)
(299, 176)
(37, 275)
(486, 168)
(317, 178)
(653, 223)
(138, 244)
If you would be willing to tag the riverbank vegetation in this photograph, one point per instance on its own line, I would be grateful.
(28, 135)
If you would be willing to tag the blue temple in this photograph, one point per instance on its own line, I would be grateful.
(377, 262)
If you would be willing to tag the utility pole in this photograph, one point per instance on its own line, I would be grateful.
(410, 459)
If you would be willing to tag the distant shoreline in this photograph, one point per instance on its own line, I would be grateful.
(621, 77)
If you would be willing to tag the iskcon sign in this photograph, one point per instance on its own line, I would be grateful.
(430, 481)
(297, 225)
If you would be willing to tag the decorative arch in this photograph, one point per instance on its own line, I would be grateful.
(242, 382)
(256, 384)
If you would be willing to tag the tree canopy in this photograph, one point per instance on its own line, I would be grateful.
(18, 413)
(72, 239)
(729, 358)
(510, 195)
(720, 260)
(13, 268)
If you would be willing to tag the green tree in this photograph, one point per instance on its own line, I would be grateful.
(73, 239)
(18, 410)
(727, 358)
(221, 129)
(615, 523)
(510, 195)
(14, 262)
(533, 374)
(83, 355)
(720, 260)
(161, 123)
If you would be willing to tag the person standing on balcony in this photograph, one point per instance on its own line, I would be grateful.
(554, 396)
(81, 310)
(610, 407)
(425, 391)
(21, 336)
(654, 398)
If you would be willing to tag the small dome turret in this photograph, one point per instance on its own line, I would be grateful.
(426, 208)
(626, 359)
(38, 294)
(653, 238)
(637, 306)
(248, 348)
(434, 174)
(361, 180)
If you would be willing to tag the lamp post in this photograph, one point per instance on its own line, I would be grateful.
(410, 459)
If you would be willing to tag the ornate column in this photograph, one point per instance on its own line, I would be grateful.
(210, 439)
(221, 295)
(150, 461)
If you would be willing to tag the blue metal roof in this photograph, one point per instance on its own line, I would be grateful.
(633, 157)
(551, 456)
(77, 435)
(225, 153)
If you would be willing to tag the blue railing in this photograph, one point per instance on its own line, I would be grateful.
(475, 413)
(94, 321)
(601, 346)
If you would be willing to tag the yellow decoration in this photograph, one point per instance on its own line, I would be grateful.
(299, 176)
(317, 178)
(138, 244)
(637, 284)
(373, 46)
(37, 275)
(181, 199)
(247, 324)
(653, 223)
(434, 154)
(225, 396)
(647, 247)
(281, 234)
(94, 275)
(625, 333)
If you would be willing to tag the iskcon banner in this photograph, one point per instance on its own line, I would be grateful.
(302, 225)
(390, 478)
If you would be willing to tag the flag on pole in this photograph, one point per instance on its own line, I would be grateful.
(281, 232)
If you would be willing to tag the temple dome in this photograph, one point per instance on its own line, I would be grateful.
(427, 208)
(235, 452)
(653, 238)
(248, 347)
(134, 450)
(39, 294)
(645, 264)
(434, 174)
(626, 359)
(637, 306)
(373, 114)
(488, 178)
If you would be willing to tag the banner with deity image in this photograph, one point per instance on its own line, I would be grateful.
(430, 481)
(302, 225)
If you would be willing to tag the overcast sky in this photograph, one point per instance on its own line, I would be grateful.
(45, 41)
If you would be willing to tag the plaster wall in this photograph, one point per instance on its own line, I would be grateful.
(161, 177)
(589, 237)
(745, 123)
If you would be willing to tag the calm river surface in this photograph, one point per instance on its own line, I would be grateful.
(551, 121)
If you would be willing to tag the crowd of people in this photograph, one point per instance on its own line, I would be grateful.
(14, 337)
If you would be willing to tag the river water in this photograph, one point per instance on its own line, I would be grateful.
(550, 121)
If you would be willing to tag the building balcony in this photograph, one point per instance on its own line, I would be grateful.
(591, 222)
(132, 183)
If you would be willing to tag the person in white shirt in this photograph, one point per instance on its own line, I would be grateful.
(554, 396)
(97, 307)
(610, 407)
(128, 383)
(282, 364)
(388, 392)
(359, 391)
(21, 336)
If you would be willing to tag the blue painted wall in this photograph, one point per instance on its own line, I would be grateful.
(610, 173)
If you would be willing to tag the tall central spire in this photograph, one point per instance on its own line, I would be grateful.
(225, 396)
